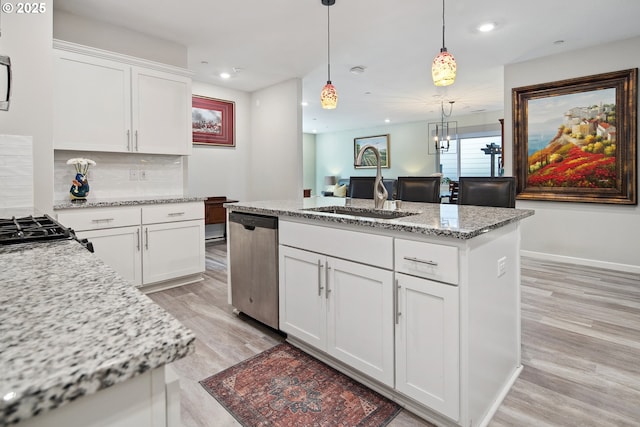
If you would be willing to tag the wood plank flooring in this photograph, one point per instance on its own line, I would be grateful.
(580, 346)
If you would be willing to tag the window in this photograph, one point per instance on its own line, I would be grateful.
(468, 159)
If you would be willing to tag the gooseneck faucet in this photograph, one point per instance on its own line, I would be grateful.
(379, 191)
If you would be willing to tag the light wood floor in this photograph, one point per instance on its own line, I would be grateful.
(580, 346)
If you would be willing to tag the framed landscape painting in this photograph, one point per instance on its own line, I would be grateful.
(381, 142)
(213, 121)
(575, 140)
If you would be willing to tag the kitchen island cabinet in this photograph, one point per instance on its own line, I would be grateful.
(80, 346)
(454, 297)
(105, 101)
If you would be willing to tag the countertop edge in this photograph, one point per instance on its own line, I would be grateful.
(114, 203)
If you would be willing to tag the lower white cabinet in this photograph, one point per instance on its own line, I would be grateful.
(320, 298)
(166, 243)
(118, 248)
(427, 343)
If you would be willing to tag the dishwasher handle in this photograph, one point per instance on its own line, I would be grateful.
(252, 221)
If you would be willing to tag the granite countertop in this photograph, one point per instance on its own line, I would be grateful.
(70, 326)
(431, 219)
(123, 201)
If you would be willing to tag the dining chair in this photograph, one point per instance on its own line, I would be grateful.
(361, 187)
(419, 189)
(487, 191)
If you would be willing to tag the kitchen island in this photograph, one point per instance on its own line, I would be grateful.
(421, 303)
(80, 346)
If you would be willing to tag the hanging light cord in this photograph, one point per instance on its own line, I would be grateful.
(443, 25)
(328, 45)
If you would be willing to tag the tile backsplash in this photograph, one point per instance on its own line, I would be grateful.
(121, 175)
(16, 171)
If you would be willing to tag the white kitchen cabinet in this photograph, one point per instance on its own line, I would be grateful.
(110, 102)
(147, 245)
(320, 298)
(119, 248)
(172, 249)
(427, 343)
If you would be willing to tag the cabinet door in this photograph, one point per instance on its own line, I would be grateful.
(427, 346)
(91, 103)
(360, 318)
(161, 112)
(118, 248)
(172, 250)
(302, 297)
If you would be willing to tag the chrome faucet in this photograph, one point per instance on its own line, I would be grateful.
(379, 191)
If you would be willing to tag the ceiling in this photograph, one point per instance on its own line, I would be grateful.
(267, 42)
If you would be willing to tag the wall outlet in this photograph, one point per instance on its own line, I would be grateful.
(502, 266)
(143, 175)
(133, 174)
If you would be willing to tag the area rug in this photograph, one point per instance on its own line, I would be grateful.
(284, 386)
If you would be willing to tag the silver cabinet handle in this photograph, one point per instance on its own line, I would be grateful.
(396, 295)
(99, 220)
(421, 261)
(326, 280)
(136, 135)
(138, 239)
(146, 238)
(320, 288)
(128, 140)
(175, 214)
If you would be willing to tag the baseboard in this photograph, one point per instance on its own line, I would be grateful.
(582, 261)
(173, 283)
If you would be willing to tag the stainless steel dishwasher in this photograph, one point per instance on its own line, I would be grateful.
(253, 243)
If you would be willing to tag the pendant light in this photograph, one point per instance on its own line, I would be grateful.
(443, 69)
(329, 95)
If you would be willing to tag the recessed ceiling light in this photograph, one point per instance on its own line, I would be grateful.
(486, 27)
(387, 120)
(225, 75)
(304, 103)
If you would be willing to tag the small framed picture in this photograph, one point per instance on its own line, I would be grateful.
(213, 121)
(381, 142)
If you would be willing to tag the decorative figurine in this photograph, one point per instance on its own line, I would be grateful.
(80, 188)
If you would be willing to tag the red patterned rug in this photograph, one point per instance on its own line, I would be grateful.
(284, 386)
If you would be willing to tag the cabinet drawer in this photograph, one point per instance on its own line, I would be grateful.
(172, 212)
(428, 260)
(356, 246)
(96, 219)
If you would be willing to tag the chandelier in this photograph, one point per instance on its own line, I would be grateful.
(443, 131)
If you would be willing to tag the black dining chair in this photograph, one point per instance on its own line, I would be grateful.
(361, 187)
(487, 191)
(419, 189)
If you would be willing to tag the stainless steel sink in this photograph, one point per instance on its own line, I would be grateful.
(362, 212)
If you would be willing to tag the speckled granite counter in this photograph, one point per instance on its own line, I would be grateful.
(114, 202)
(432, 219)
(70, 326)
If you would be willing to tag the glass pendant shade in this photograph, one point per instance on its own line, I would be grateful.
(329, 96)
(443, 69)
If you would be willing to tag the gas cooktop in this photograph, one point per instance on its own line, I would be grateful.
(35, 229)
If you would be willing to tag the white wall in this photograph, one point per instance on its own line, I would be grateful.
(584, 233)
(26, 38)
(309, 163)
(276, 142)
(407, 145)
(217, 170)
(81, 30)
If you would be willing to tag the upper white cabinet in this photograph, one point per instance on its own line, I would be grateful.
(119, 104)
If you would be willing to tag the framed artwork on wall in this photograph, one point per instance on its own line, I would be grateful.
(575, 140)
(213, 121)
(381, 142)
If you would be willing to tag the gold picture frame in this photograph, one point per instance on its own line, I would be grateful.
(575, 140)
